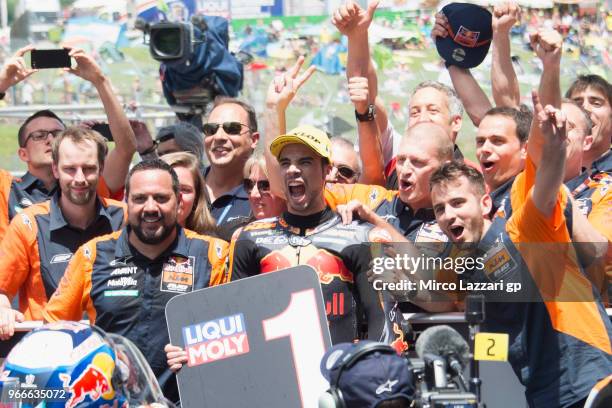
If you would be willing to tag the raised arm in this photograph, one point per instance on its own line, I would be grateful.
(547, 45)
(118, 160)
(504, 83)
(281, 92)
(473, 98)
(370, 148)
(549, 176)
(15, 70)
(353, 21)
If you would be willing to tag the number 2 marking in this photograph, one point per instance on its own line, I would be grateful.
(489, 353)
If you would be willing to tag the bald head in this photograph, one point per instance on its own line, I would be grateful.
(428, 134)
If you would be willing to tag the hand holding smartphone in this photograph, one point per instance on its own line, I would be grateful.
(43, 59)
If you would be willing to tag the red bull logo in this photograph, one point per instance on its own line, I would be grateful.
(93, 382)
(467, 37)
(327, 265)
(399, 343)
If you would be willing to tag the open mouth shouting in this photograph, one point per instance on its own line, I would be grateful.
(406, 185)
(297, 190)
(487, 165)
(456, 232)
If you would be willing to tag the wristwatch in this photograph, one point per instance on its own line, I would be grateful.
(368, 116)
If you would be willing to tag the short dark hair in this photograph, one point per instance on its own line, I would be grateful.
(453, 170)
(594, 81)
(45, 113)
(521, 117)
(154, 164)
(79, 135)
(224, 100)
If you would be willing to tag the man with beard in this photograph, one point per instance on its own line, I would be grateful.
(559, 339)
(125, 279)
(41, 240)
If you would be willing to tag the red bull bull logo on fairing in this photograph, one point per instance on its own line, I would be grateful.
(91, 383)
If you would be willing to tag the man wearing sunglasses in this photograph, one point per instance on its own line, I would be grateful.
(230, 136)
(38, 131)
(346, 166)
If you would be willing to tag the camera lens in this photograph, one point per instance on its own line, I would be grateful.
(167, 42)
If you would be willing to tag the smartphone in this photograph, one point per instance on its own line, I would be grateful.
(104, 130)
(41, 59)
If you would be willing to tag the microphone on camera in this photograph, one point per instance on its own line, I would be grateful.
(446, 342)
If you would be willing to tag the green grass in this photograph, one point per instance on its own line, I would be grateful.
(8, 148)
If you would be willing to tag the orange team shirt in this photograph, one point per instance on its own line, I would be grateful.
(370, 195)
(5, 191)
(557, 277)
(20, 253)
(601, 211)
(74, 293)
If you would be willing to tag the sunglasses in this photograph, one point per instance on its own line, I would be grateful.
(40, 135)
(263, 186)
(231, 128)
(346, 172)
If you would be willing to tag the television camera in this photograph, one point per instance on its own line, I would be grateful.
(196, 65)
(438, 371)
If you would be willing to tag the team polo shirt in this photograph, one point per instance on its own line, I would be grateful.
(416, 226)
(560, 347)
(26, 191)
(231, 205)
(371, 196)
(29, 190)
(126, 293)
(593, 194)
(499, 198)
(38, 245)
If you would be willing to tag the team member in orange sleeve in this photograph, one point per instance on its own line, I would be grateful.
(41, 240)
(125, 279)
(5, 190)
(559, 345)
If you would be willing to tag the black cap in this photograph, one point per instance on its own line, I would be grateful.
(469, 36)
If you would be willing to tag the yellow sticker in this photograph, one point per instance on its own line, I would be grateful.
(491, 347)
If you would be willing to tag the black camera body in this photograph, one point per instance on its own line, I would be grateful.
(170, 41)
(196, 65)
